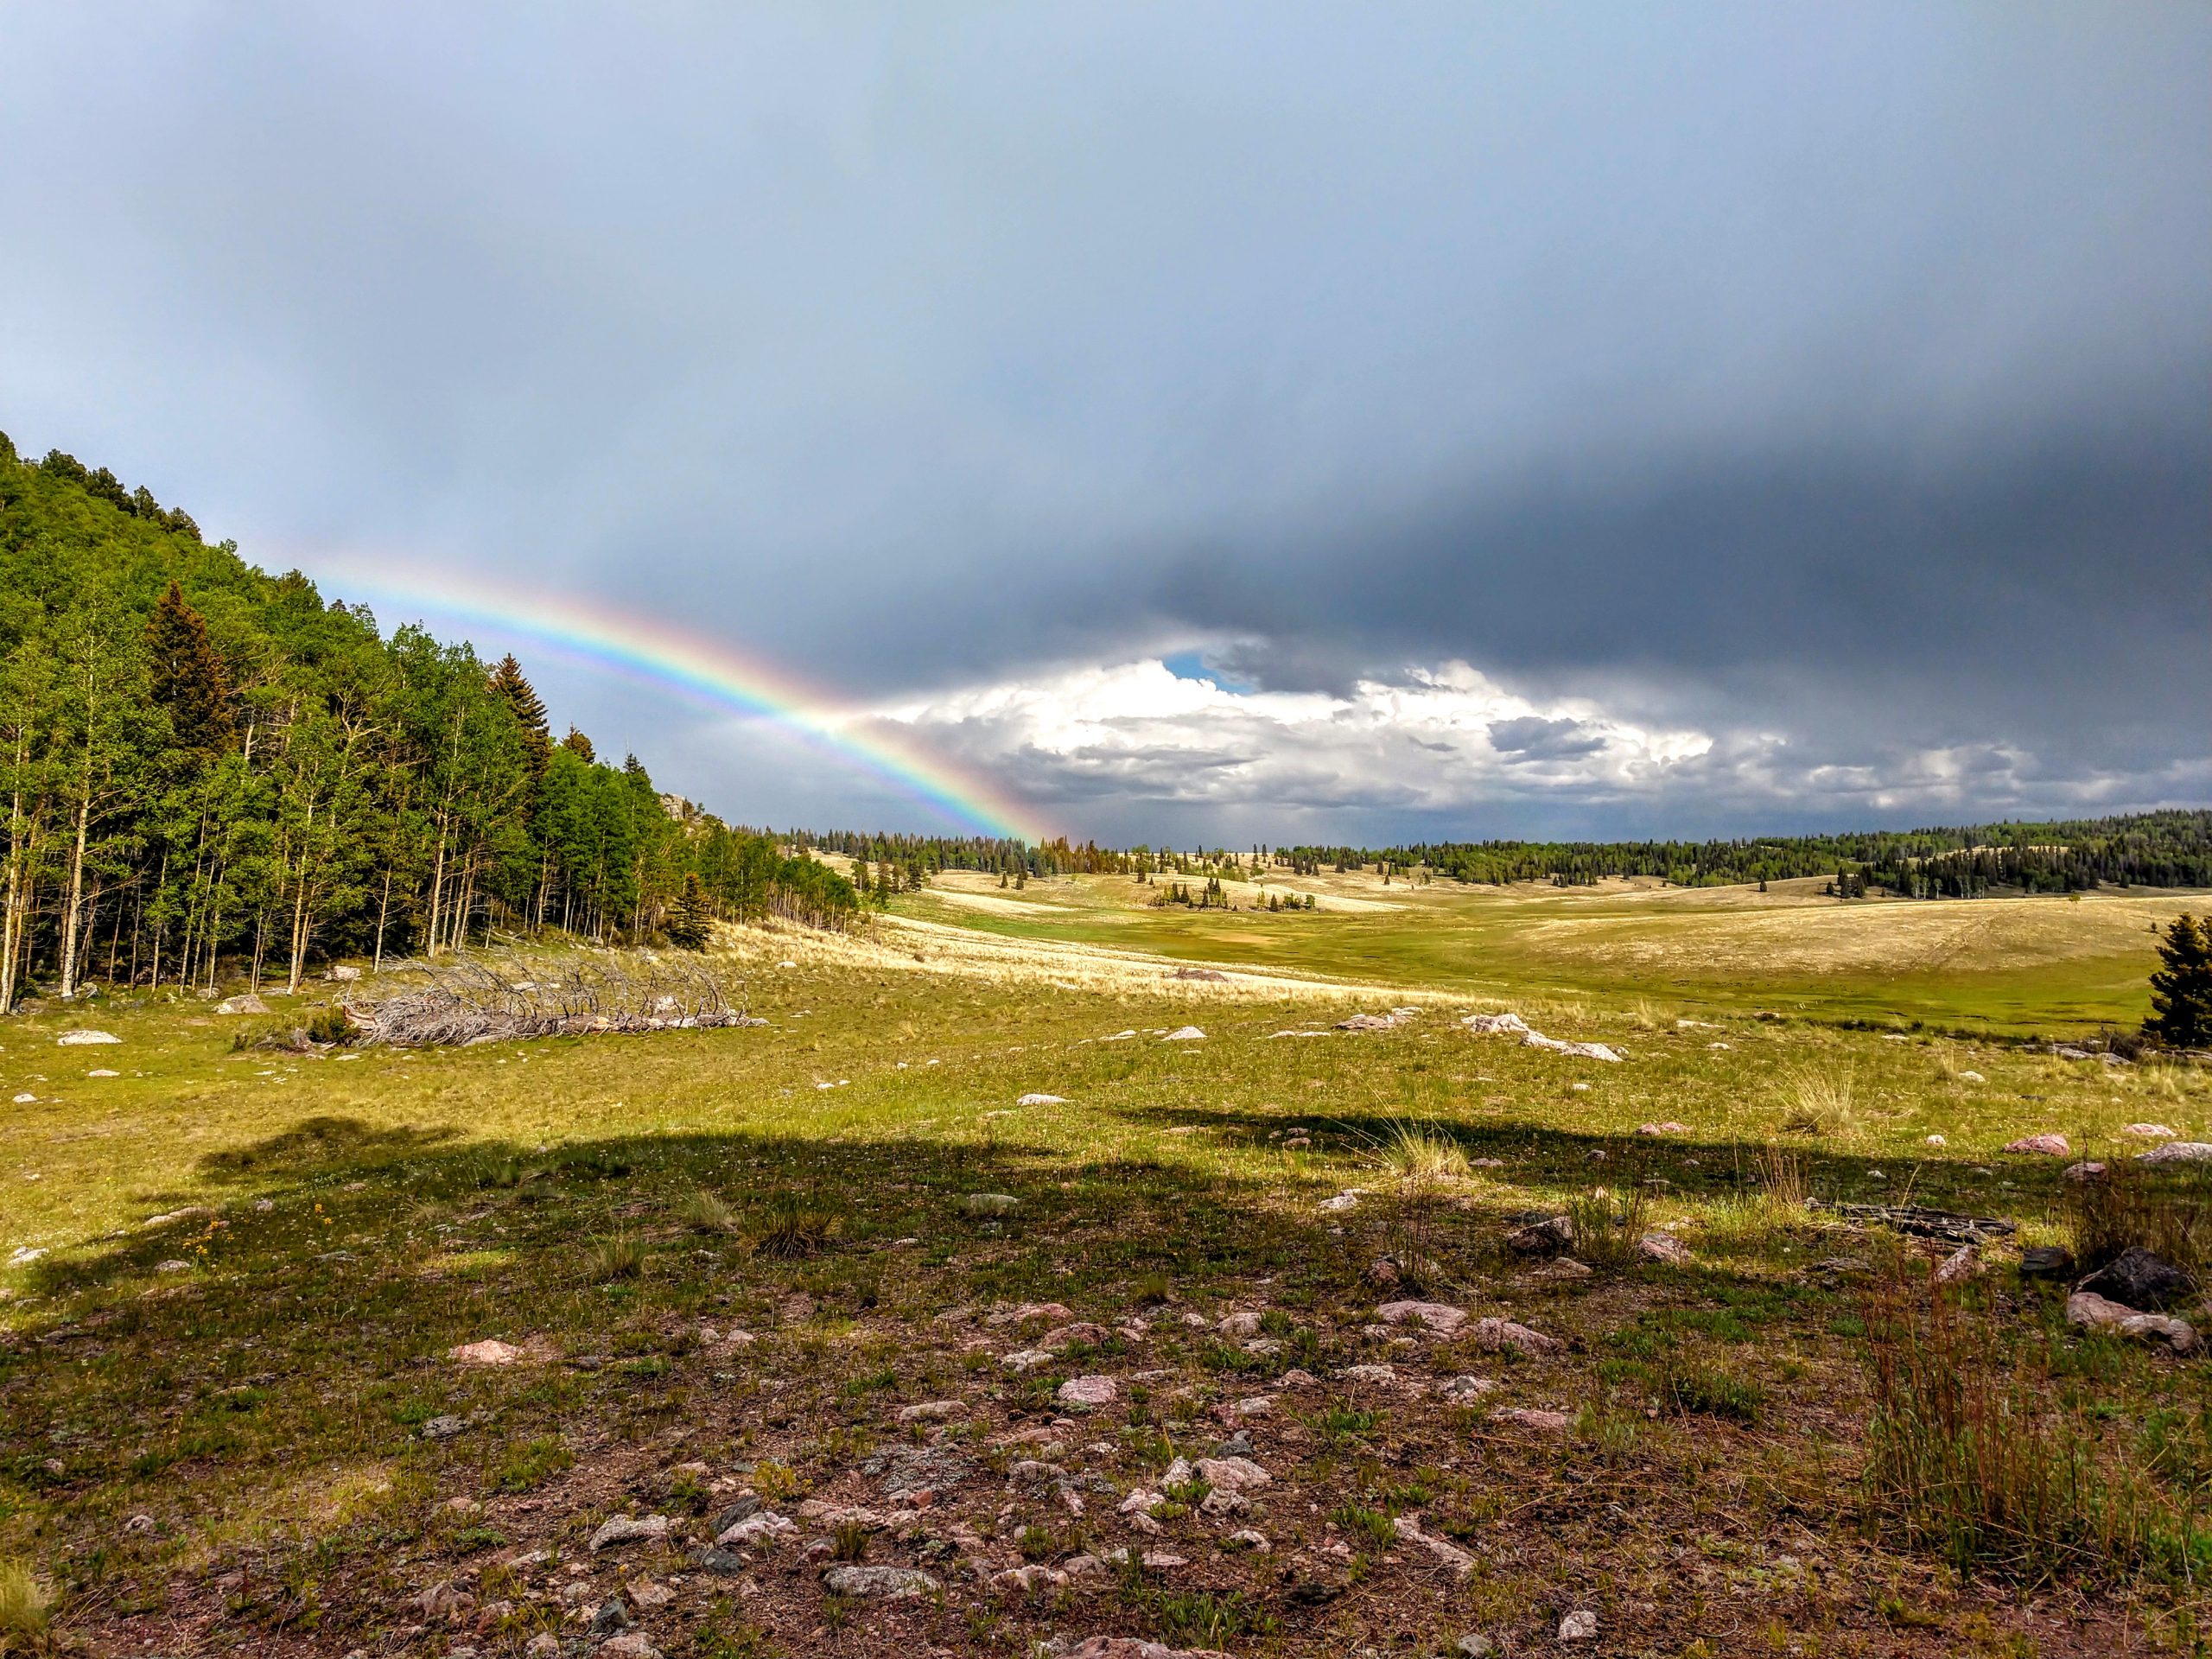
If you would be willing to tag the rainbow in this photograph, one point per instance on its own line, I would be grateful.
(712, 674)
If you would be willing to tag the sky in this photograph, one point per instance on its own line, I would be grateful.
(1191, 422)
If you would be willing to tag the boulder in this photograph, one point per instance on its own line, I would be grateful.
(85, 1039)
(1580, 1625)
(2047, 1146)
(1547, 1237)
(2146, 1131)
(343, 973)
(989, 1203)
(1663, 1249)
(2179, 1152)
(1669, 1126)
(1042, 1100)
(2046, 1261)
(1185, 1034)
(1578, 1050)
(2138, 1280)
(1132, 1647)
(248, 1003)
(2093, 1311)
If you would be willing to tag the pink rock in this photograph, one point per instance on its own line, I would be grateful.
(490, 1352)
(1439, 1317)
(2049, 1146)
(1089, 1391)
(1493, 1334)
(1550, 1421)
(1668, 1127)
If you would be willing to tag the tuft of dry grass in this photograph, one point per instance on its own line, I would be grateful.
(706, 1213)
(797, 1225)
(25, 1608)
(618, 1255)
(2168, 1212)
(1820, 1101)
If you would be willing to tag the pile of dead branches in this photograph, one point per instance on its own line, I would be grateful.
(451, 1004)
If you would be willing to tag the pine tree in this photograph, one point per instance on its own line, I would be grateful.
(186, 676)
(576, 743)
(516, 692)
(691, 924)
(2181, 990)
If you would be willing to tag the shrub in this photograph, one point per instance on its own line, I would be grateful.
(1609, 1226)
(333, 1026)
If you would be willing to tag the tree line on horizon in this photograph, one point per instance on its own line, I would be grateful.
(204, 765)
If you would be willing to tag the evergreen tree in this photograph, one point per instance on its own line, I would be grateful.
(2181, 990)
(185, 676)
(576, 743)
(507, 682)
(690, 925)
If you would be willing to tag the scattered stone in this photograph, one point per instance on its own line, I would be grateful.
(1549, 1422)
(1026, 1359)
(1664, 1248)
(2087, 1170)
(445, 1600)
(1061, 1337)
(2138, 1280)
(1669, 1126)
(1492, 1334)
(1408, 1530)
(1385, 1377)
(1130, 1647)
(613, 1615)
(1960, 1265)
(138, 1526)
(490, 1352)
(1233, 1474)
(649, 1595)
(2148, 1131)
(722, 1563)
(1440, 1317)
(626, 1529)
(989, 1203)
(1466, 1390)
(543, 1645)
(1238, 1326)
(1580, 1625)
(1937, 1141)
(2048, 1146)
(889, 1583)
(2179, 1152)
(84, 1039)
(1249, 1538)
(2093, 1311)
(103, 1072)
(1035, 1576)
(1548, 1237)
(443, 1427)
(248, 1003)
(343, 973)
(2046, 1261)
(1972, 1077)
(631, 1644)
(1183, 1034)
(759, 1530)
(1475, 1645)
(1086, 1393)
(1485, 1023)
(1041, 1100)
(931, 1411)
(1348, 1199)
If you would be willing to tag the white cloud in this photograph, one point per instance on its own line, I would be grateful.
(1121, 749)
(1439, 740)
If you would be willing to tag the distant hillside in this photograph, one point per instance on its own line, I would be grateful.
(202, 763)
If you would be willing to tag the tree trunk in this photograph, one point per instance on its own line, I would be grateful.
(72, 911)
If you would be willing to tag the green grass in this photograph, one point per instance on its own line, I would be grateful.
(344, 1219)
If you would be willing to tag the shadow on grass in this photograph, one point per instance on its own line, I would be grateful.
(318, 1141)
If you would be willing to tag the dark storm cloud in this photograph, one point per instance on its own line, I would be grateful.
(1832, 383)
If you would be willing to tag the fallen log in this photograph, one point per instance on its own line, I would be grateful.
(1921, 1222)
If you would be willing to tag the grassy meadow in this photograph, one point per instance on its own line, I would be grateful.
(727, 1261)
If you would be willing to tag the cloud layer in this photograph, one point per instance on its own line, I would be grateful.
(1831, 386)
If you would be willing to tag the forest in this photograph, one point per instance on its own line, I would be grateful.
(205, 764)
